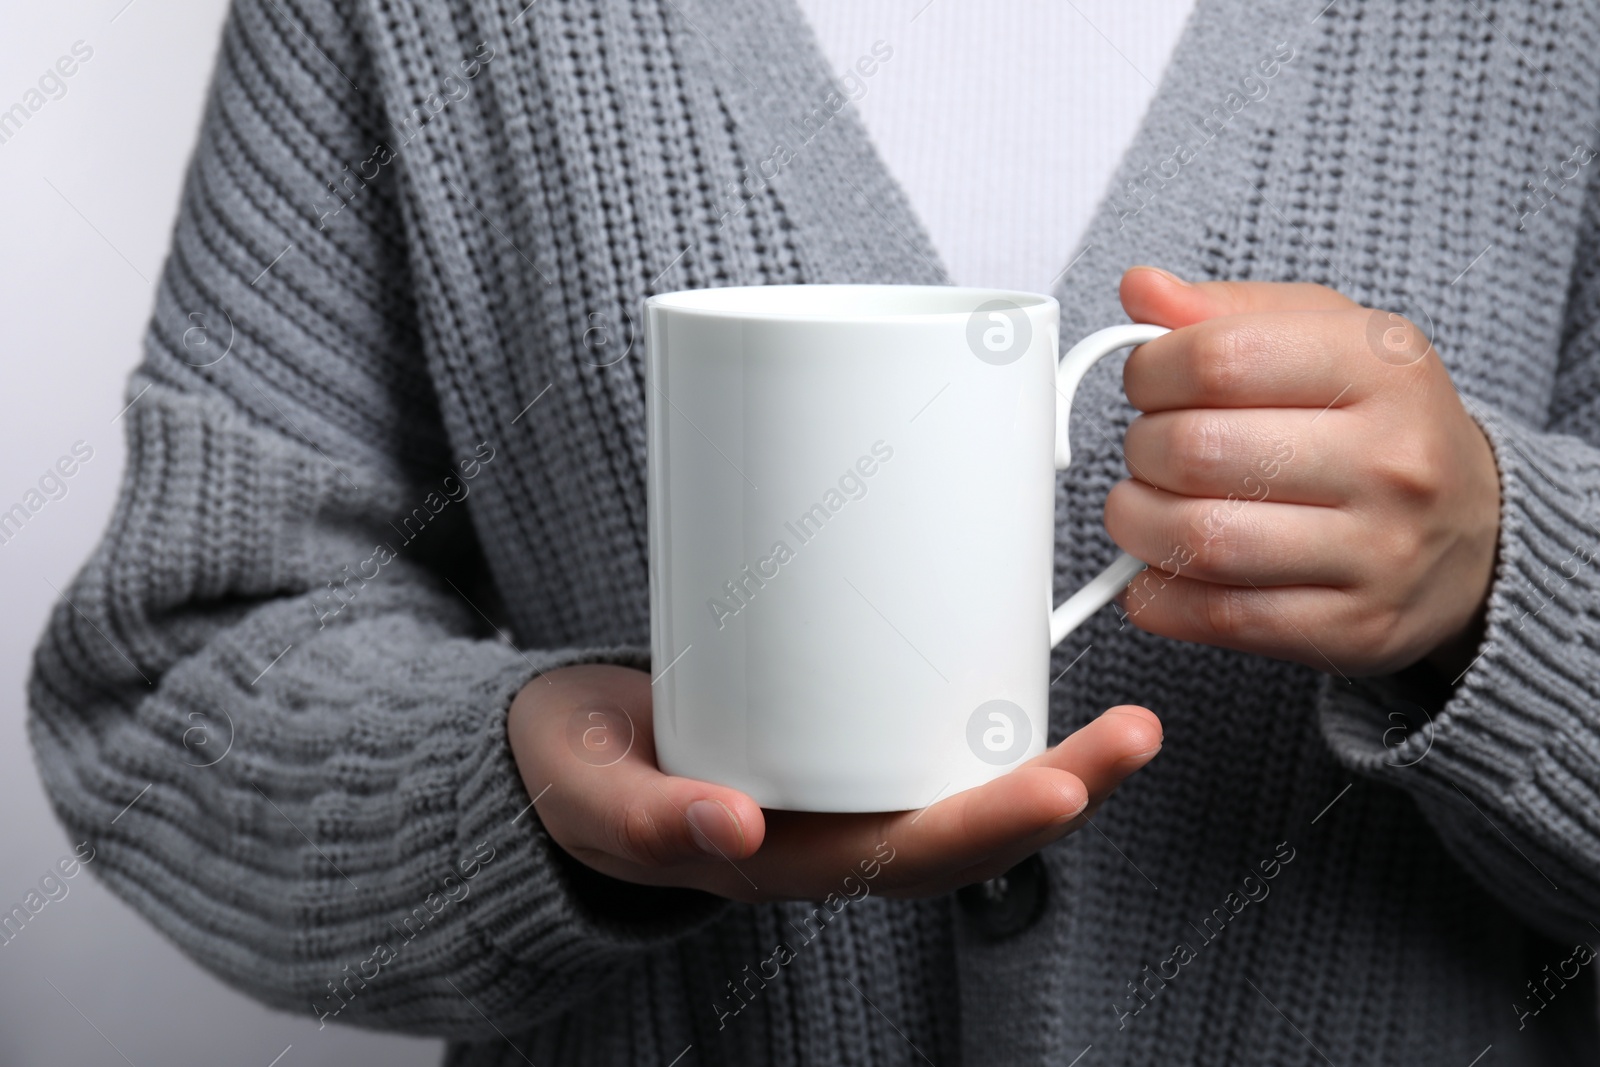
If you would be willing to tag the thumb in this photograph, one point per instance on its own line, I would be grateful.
(654, 819)
(1152, 295)
(1108, 749)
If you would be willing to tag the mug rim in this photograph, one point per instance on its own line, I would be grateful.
(949, 302)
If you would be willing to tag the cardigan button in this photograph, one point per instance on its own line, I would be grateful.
(1005, 906)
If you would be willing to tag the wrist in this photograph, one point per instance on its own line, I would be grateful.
(1479, 542)
(1455, 654)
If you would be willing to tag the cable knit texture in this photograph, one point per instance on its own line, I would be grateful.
(434, 359)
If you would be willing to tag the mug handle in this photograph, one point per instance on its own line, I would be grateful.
(1074, 365)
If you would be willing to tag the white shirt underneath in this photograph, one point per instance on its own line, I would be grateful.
(1003, 120)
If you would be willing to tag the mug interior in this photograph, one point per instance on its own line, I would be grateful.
(842, 302)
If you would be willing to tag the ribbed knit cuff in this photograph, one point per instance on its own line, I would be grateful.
(1537, 672)
(536, 904)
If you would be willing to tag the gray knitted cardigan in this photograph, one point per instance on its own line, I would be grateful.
(387, 397)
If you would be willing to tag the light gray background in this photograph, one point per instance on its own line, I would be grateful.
(76, 266)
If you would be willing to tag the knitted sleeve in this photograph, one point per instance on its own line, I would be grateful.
(285, 744)
(1505, 760)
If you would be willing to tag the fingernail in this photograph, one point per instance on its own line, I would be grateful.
(1079, 809)
(1140, 718)
(1134, 762)
(715, 830)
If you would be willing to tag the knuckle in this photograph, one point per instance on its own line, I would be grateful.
(636, 834)
(1209, 553)
(1216, 542)
(1219, 354)
(1199, 444)
(1413, 468)
(1408, 329)
(1223, 611)
(1402, 548)
(1397, 340)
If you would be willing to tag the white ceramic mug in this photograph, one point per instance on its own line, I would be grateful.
(851, 511)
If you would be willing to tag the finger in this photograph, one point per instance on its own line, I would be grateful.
(1304, 359)
(1152, 295)
(643, 817)
(806, 855)
(993, 863)
(605, 794)
(1106, 751)
(1287, 622)
(1025, 808)
(1101, 756)
(1016, 813)
(1238, 542)
(639, 815)
(1280, 454)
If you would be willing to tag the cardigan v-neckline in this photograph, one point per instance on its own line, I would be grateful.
(1004, 122)
(771, 75)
